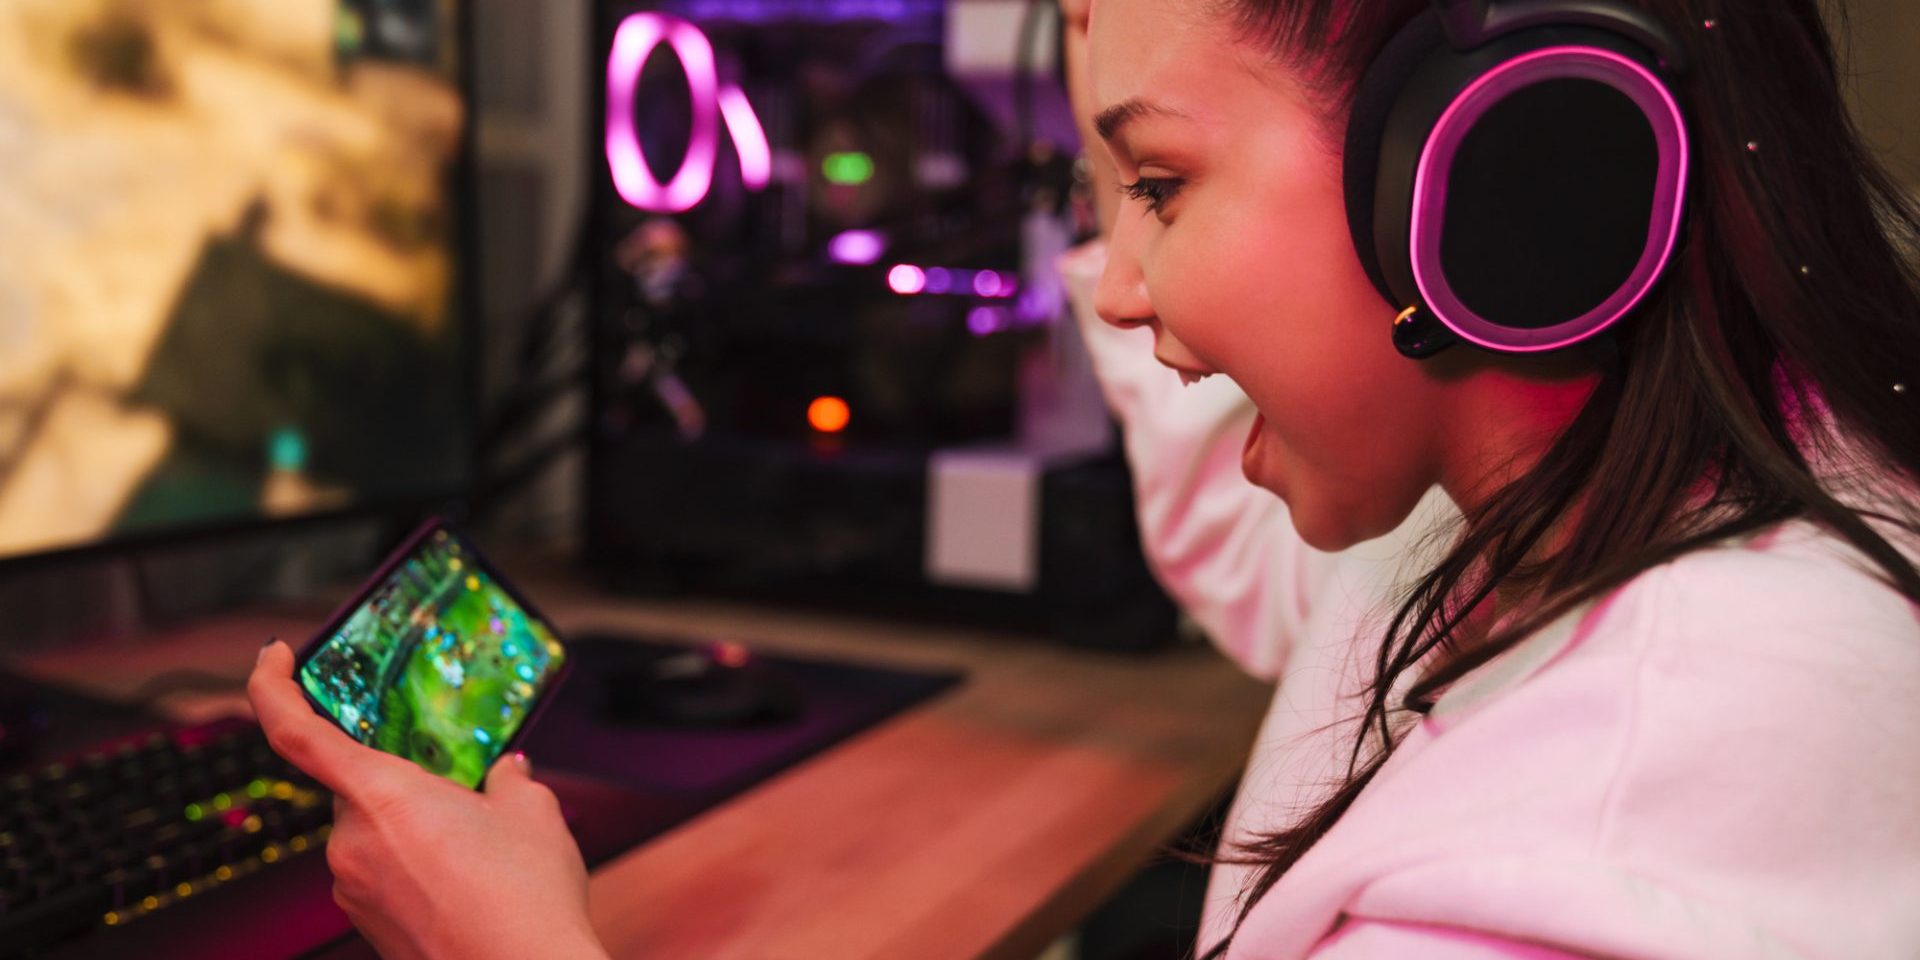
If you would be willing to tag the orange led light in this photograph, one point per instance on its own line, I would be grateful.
(829, 414)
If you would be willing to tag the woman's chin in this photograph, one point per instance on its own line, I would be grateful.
(1329, 512)
(1314, 517)
(1328, 517)
(1322, 532)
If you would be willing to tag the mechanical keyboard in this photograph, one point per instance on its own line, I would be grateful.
(135, 828)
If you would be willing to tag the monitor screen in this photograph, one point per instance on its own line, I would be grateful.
(229, 292)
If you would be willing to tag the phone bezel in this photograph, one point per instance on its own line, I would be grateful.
(380, 575)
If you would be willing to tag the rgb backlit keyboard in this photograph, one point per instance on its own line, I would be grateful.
(136, 826)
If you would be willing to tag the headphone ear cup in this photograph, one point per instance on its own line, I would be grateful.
(1373, 102)
(1549, 203)
(1527, 193)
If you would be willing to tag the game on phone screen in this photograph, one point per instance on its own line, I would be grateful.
(439, 663)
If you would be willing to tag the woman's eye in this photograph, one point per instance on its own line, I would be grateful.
(1155, 192)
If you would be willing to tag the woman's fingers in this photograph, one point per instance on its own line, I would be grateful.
(306, 739)
(511, 782)
(511, 772)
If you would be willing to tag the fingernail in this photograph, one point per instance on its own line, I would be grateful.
(519, 758)
(262, 655)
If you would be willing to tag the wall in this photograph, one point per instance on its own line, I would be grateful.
(1884, 80)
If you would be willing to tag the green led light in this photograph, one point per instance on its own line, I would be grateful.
(195, 812)
(222, 802)
(257, 789)
(849, 169)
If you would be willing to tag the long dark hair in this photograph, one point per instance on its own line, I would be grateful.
(1781, 358)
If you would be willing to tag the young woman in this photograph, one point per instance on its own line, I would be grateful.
(1657, 694)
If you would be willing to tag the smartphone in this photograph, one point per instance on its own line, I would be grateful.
(436, 659)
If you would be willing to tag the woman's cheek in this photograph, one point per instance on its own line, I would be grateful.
(1205, 307)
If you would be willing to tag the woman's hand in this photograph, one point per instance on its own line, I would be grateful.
(427, 868)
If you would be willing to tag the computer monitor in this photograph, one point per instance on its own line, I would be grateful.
(232, 288)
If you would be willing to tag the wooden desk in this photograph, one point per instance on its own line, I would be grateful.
(984, 824)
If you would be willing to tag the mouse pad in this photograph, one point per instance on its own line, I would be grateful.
(837, 700)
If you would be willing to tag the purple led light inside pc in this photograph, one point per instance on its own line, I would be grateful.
(816, 11)
(906, 279)
(749, 139)
(633, 43)
(982, 321)
(1034, 308)
(1436, 163)
(858, 248)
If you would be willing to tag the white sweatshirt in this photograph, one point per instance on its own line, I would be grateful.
(1719, 759)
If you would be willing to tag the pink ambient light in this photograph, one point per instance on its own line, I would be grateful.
(907, 279)
(636, 39)
(749, 139)
(982, 321)
(857, 247)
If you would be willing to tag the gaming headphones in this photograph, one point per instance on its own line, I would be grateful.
(1516, 172)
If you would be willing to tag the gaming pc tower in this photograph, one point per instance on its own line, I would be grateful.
(830, 356)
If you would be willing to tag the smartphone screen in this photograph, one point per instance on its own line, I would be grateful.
(436, 660)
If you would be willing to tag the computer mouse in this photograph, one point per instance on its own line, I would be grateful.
(721, 686)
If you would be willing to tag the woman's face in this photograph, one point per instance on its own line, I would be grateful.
(1232, 246)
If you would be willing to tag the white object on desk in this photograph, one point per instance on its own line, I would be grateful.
(983, 518)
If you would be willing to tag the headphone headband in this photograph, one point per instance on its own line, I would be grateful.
(1472, 23)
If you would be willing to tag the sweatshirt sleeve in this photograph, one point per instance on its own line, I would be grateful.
(1223, 548)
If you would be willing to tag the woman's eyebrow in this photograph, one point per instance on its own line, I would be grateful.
(1115, 118)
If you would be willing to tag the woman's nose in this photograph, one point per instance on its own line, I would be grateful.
(1121, 296)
